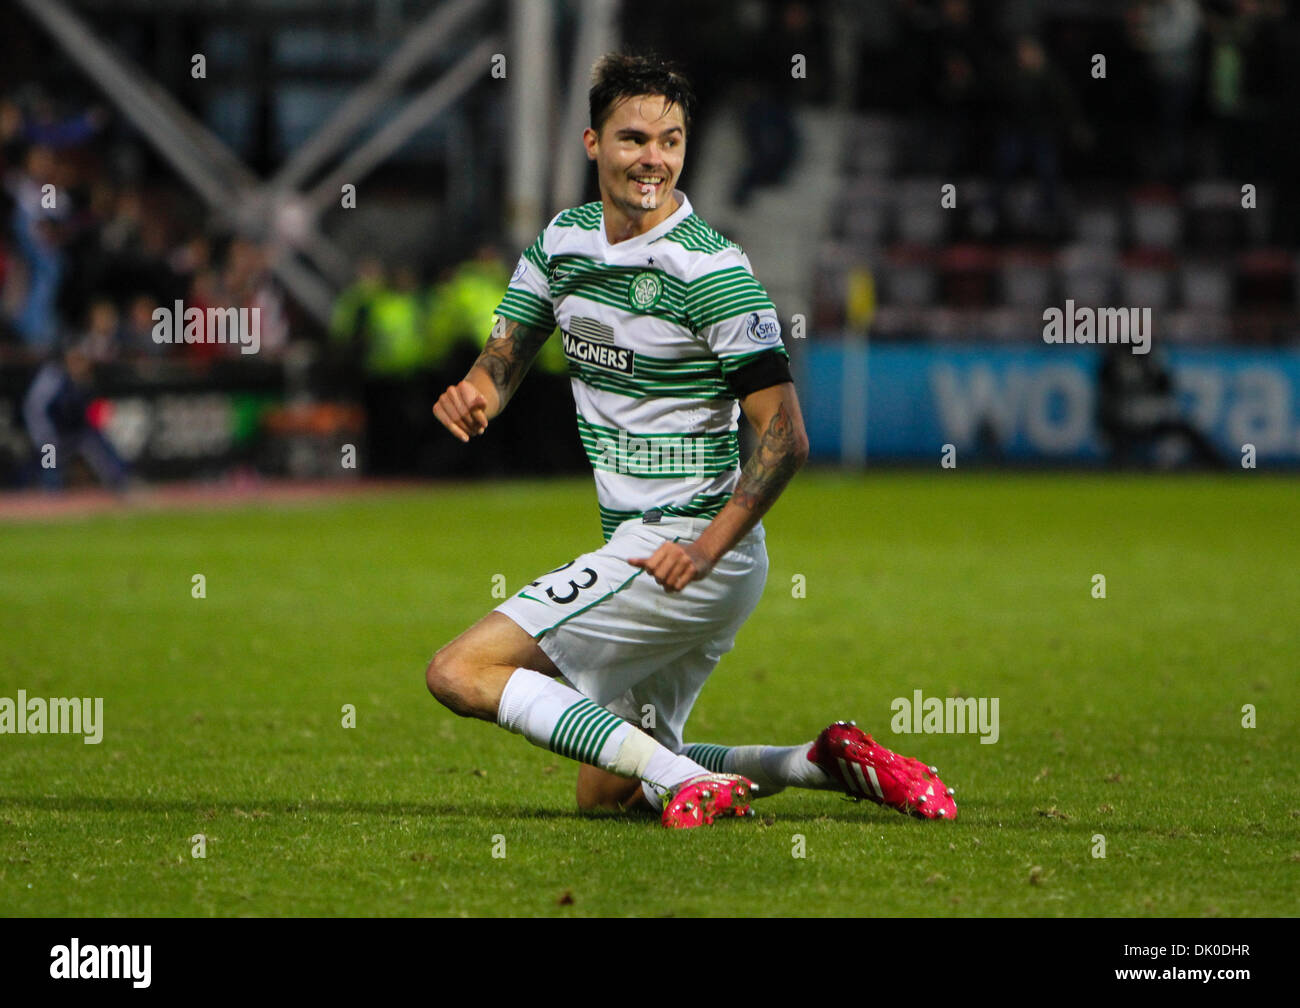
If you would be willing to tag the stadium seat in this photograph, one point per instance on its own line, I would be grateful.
(909, 276)
(1026, 277)
(900, 322)
(1205, 285)
(870, 146)
(1010, 323)
(1146, 280)
(1087, 274)
(948, 325)
(920, 218)
(1262, 327)
(1099, 225)
(866, 212)
(1024, 210)
(967, 272)
(1155, 218)
(1215, 222)
(1195, 327)
(1265, 278)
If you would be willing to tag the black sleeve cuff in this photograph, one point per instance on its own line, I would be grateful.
(767, 369)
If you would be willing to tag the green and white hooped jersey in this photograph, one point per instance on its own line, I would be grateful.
(652, 327)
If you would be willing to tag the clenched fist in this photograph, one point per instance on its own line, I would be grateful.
(462, 410)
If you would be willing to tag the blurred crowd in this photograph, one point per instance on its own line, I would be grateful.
(1001, 86)
(91, 246)
(396, 345)
(1139, 151)
(91, 249)
(96, 236)
(1003, 94)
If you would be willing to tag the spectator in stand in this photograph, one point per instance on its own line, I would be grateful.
(120, 233)
(101, 337)
(12, 143)
(769, 92)
(137, 330)
(39, 125)
(1242, 34)
(37, 229)
(11, 292)
(154, 250)
(956, 79)
(46, 127)
(460, 313)
(54, 411)
(95, 265)
(120, 253)
(396, 344)
(190, 259)
(381, 326)
(1036, 116)
(350, 321)
(1168, 31)
(248, 284)
(205, 292)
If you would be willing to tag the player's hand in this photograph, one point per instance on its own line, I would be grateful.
(462, 410)
(675, 565)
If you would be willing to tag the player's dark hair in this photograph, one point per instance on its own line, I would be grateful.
(622, 75)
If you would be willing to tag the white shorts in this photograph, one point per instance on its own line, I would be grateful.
(624, 642)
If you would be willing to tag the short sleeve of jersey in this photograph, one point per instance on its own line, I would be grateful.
(528, 297)
(732, 312)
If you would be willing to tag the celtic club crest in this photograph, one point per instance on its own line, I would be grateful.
(645, 290)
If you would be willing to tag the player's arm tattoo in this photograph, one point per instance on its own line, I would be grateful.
(509, 351)
(777, 458)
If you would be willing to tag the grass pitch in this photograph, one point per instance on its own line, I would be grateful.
(1119, 717)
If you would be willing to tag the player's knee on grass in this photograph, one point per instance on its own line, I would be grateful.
(468, 679)
(601, 790)
(439, 676)
(469, 675)
(454, 681)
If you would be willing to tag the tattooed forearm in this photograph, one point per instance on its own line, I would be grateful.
(509, 351)
(780, 453)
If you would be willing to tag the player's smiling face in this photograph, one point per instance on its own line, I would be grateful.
(639, 153)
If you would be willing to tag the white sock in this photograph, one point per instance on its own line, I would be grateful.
(772, 768)
(559, 718)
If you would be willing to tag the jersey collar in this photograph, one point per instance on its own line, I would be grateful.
(655, 233)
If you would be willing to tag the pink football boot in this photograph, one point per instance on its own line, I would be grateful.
(701, 799)
(866, 769)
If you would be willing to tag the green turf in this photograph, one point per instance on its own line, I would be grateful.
(1119, 717)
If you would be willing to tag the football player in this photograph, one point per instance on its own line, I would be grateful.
(670, 339)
